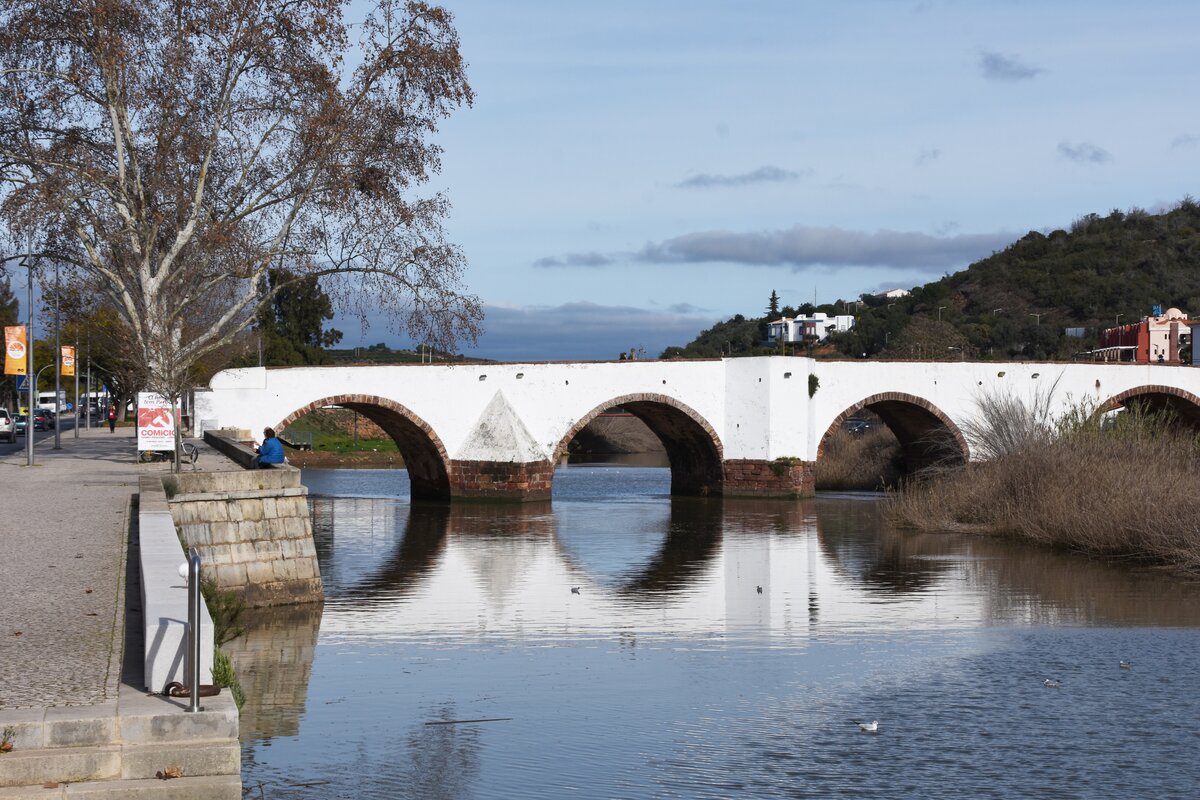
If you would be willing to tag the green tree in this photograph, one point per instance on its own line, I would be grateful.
(292, 318)
(773, 306)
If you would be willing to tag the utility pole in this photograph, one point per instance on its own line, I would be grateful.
(57, 366)
(77, 379)
(30, 373)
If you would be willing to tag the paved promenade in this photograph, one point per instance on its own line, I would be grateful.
(63, 529)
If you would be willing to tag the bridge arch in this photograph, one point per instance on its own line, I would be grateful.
(693, 447)
(1158, 398)
(926, 434)
(423, 452)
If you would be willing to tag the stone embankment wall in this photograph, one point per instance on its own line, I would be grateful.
(252, 530)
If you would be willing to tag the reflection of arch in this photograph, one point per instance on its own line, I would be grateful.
(692, 541)
(692, 445)
(417, 552)
(424, 455)
(848, 533)
(1184, 405)
(926, 435)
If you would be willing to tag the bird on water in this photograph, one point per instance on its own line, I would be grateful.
(867, 727)
(574, 590)
(1050, 683)
(1126, 665)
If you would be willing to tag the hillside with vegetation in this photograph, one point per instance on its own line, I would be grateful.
(1015, 304)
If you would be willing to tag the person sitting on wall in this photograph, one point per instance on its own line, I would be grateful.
(270, 451)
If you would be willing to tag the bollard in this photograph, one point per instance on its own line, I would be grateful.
(193, 659)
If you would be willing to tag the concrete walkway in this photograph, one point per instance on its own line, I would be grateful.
(63, 529)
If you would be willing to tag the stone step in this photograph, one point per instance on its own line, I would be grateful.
(217, 787)
(30, 767)
(194, 759)
(140, 719)
(111, 762)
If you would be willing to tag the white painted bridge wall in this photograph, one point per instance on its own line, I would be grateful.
(759, 408)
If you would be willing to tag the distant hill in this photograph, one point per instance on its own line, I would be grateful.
(1016, 303)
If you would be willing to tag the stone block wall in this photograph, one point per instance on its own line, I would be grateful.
(785, 478)
(500, 480)
(253, 533)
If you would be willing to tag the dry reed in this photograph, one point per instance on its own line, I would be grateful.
(1128, 490)
(869, 460)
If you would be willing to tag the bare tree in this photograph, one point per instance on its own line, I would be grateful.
(174, 150)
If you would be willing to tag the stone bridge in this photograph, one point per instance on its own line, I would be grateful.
(744, 426)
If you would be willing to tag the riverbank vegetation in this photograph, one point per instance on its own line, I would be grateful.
(1123, 486)
(864, 461)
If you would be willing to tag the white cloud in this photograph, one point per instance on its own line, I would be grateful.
(574, 260)
(806, 246)
(1000, 67)
(1084, 152)
(767, 174)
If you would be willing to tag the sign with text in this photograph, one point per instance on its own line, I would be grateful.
(155, 423)
(68, 362)
(15, 351)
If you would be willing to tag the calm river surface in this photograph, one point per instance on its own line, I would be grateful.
(670, 674)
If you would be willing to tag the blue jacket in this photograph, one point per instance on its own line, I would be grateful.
(271, 452)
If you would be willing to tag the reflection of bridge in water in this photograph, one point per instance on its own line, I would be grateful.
(399, 569)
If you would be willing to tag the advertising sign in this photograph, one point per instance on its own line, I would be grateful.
(155, 427)
(68, 362)
(14, 350)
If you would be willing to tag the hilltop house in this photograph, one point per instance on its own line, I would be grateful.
(802, 330)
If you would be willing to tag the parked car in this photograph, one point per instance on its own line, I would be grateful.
(39, 420)
(854, 425)
(19, 423)
(8, 427)
(50, 417)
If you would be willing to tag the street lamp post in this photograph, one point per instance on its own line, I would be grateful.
(57, 360)
(940, 313)
(996, 311)
(1038, 317)
(29, 262)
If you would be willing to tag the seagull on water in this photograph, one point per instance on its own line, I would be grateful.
(1126, 665)
(867, 727)
(574, 590)
(759, 589)
(1050, 683)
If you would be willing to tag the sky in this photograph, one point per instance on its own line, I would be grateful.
(632, 172)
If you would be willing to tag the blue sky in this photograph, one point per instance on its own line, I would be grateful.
(632, 172)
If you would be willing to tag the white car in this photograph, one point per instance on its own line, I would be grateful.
(8, 427)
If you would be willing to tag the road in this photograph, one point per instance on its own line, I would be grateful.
(68, 430)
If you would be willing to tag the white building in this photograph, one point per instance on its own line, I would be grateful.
(794, 329)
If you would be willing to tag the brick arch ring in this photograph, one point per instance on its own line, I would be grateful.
(1118, 400)
(627, 399)
(379, 402)
(898, 397)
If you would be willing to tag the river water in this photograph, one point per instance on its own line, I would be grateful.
(624, 644)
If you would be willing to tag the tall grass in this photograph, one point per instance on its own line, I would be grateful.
(1123, 488)
(868, 460)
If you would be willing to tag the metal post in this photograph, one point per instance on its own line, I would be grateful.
(29, 417)
(193, 659)
(58, 367)
(76, 382)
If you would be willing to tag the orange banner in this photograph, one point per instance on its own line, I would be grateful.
(68, 362)
(15, 352)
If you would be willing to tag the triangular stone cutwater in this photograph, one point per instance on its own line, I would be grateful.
(500, 430)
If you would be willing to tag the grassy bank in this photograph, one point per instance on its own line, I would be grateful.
(1126, 490)
(340, 438)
